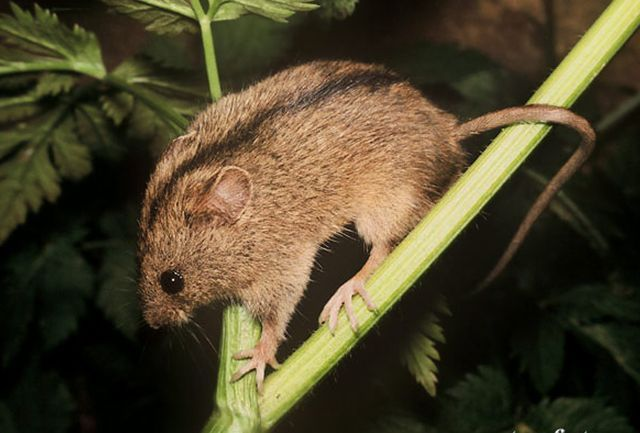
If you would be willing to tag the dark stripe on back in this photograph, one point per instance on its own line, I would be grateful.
(242, 133)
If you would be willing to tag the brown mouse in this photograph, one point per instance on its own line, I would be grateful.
(238, 206)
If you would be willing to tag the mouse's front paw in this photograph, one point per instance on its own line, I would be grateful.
(342, 297)
(258, 357)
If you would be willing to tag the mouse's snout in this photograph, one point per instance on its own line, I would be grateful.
(157, 315)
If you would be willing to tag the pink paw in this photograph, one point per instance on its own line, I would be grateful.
(258, 360)
(343, 297)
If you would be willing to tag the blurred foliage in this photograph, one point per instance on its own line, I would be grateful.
(554, 344)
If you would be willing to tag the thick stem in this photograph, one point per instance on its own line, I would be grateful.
(237, 402)
(322, 351)
(174, 119)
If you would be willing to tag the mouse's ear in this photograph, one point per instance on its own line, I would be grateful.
(229, 195)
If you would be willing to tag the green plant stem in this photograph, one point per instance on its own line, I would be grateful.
(206, 32)
(458, 207)
(174, 119)
(237, 402)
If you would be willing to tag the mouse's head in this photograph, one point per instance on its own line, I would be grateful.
(190, 251)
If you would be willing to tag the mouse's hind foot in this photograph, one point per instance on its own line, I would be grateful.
(343, 295)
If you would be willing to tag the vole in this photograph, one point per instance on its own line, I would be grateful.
(238, 206)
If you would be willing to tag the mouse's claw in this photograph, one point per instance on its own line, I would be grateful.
(259, 357)
(343, 296)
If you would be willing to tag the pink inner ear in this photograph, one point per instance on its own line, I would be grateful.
(231, 193)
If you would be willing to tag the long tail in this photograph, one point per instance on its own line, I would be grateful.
(533, 114)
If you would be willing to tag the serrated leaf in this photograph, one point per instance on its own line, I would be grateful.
(97, 131)
(540, 349)
(621, 341)
(481, 403)
(38, 41)
(596, 302)
(50, 84)
(28, 176)
(277, 10)
(176, 87)
(574, 415)
(160, 16)
(338, 9)
(71, 158)
(118, 298)
(117, 106)
(421, 355)
(63, 297)
(57, 279)
(18, 108)
(41, 403)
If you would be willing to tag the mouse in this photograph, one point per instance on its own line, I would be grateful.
(237, 207)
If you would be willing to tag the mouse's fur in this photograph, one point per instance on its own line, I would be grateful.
(304, 153)
(316, 161)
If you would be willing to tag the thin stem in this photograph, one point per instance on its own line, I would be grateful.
(174, 119)
(237, 402)
(322, 351)
(206, 33)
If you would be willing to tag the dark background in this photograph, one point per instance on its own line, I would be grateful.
(108, 372)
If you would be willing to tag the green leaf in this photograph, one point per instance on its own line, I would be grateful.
(421, 354)
(597, 302)
(277, 10)
(174, 86)
(574, 415)
(97, 131)
(339, 9)
(28, 176)
(18, 301)
(55, 279)
(70, 157)
(39, 42)
(621, 341)
(160, 16)
(117, 106)
(41, 403)
(540, 349)
(481, 403)
(50, 84)
(117, 297)
(18, 107)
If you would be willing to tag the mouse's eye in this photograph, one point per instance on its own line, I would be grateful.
(171, 281)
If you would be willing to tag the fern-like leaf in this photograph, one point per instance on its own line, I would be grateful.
(177, 16)
(481, 403)
(28, 173)
(421, 354)
(39, 42)
(574, 415)
(160, 16)
(277, 10)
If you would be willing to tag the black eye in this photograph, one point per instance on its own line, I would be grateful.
(172, 281)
